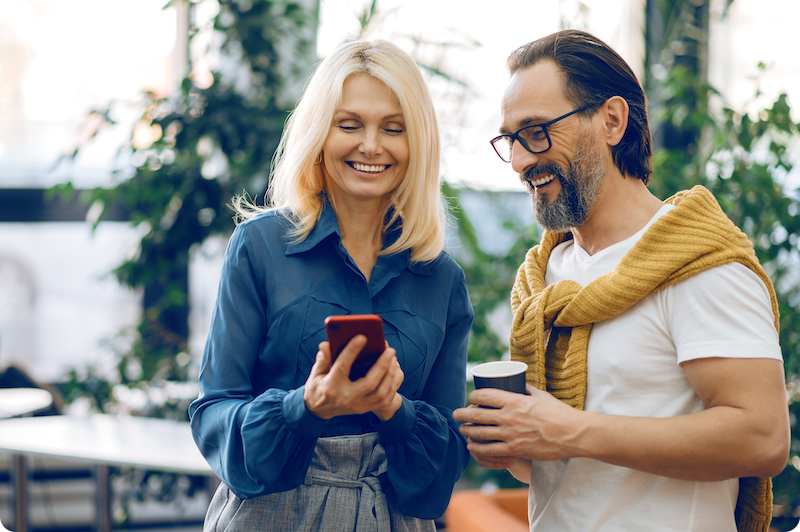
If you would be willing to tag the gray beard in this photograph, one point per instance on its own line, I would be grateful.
(580, 186)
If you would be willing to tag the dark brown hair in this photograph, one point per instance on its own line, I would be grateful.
(593, 73)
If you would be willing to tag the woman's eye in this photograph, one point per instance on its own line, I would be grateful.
(394, 129)
(348, 125)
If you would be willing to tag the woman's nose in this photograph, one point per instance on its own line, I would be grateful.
(370, 144)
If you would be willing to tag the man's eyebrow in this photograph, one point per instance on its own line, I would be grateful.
(525, 122)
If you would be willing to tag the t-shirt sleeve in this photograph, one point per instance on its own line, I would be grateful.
(723, 312)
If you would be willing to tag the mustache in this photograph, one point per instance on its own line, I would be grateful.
(545, 168)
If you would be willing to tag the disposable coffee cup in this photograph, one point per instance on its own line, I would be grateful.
(506, 375)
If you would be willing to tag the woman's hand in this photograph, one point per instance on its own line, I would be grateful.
(329, 392)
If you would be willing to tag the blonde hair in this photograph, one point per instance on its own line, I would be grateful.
(297, 182)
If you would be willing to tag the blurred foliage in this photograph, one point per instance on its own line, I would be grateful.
(489, 281)
(187, 156)
(489, 276)
(744, 159)
(191, 153)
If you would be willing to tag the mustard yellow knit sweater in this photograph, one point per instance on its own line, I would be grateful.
(693, 237)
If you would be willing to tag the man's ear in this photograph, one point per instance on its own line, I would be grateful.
(615, 115)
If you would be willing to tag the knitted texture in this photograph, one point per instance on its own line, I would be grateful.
(551, 324)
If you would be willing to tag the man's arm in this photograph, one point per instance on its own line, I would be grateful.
(744, 430)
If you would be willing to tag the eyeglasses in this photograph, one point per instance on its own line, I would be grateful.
(533, 138)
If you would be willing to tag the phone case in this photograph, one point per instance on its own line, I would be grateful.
(341, 329)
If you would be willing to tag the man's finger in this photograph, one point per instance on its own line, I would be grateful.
(479, 431)
(491, 397)
(494, 462)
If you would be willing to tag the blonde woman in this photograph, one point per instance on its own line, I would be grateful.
(355, 225)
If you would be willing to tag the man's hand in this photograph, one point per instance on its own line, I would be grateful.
(329, 391)
(533, 427)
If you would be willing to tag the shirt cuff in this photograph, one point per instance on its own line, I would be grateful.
(400, 424)
(299, 418)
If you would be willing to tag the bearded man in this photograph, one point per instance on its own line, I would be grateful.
(657, 398)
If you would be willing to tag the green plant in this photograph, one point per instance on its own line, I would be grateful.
(744, 160)
(188, 155)
(489, 276)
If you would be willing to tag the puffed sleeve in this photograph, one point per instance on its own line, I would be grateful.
(256, 443)
(426, 453)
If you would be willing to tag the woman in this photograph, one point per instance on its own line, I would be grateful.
(356, 227)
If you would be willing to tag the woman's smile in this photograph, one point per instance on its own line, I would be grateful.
(371, 169)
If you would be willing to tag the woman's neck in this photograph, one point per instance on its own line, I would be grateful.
(361, 227)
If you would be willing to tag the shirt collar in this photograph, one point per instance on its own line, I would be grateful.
(328, 225)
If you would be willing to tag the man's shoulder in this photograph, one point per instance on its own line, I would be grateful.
(725, 278)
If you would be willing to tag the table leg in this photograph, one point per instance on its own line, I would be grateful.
(102, 476)
(19, 473)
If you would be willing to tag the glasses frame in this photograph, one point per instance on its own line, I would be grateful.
(544, 125)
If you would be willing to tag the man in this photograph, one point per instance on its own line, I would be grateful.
(657, 396)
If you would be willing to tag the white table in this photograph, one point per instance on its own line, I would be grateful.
(103, 440)
(23, 401)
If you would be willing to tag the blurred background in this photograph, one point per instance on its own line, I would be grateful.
(126, 126)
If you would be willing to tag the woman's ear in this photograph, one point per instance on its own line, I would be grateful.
(615, 114)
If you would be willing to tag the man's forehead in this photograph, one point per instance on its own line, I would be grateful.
(533, 95)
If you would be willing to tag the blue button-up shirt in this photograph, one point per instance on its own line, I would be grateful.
(250, 421)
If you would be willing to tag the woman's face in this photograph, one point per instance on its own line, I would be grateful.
(366, 151)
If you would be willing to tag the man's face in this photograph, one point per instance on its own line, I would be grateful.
(580, 181)
(566, 179)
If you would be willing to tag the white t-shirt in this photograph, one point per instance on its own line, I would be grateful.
(633, 371)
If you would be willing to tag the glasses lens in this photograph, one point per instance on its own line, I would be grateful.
(536, 138)
(533, 138)
(502, 145)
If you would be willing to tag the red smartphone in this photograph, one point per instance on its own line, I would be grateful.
(341, 329)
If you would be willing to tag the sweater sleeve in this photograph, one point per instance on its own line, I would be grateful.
(426, 452)
(256, 443)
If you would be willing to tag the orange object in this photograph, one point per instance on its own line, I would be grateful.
(475, 511)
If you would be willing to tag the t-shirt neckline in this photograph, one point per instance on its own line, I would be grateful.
(626, 243)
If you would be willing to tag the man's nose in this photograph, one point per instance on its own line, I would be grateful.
(522, 159)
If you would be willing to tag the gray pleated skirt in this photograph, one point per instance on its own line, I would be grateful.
(342, 492)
